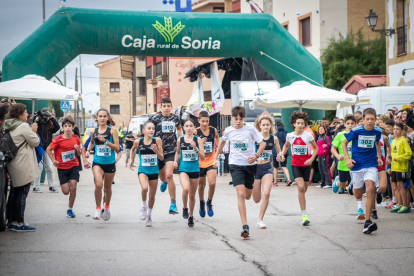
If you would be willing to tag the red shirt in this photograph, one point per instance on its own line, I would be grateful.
(65, 152)
(300, 146)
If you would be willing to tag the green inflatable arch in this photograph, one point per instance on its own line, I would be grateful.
(72, 31)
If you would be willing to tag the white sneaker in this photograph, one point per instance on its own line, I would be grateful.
(261, 225)
(143, 213)
(327, 187)
(149, 221)
(106, 214)
(97, 215)
(319, 186)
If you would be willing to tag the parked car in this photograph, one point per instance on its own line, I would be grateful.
(86, 134)
(136, 123)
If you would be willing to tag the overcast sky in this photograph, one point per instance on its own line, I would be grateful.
(20, 18)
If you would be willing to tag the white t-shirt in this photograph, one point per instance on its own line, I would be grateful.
(242, 144)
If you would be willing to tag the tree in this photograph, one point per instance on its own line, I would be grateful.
(352, 55)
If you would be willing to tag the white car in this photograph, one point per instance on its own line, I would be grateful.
(136, 123)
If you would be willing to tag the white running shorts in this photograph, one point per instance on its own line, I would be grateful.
(359, 177)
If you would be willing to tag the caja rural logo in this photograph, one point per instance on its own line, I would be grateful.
(169, 32)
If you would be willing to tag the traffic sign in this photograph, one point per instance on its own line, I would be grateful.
(64, 106)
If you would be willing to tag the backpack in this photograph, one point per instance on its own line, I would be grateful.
(8, 147)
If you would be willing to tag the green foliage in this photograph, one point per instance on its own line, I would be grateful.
(352, 55)
(56, 108)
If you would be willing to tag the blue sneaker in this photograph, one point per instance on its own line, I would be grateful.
(210, 211)
(23, 228)
(335, 186)
(202, 209)
(173, 209)
(163, 186)
(361, 214)
(70, 214)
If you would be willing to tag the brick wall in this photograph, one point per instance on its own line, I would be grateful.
(358, 10)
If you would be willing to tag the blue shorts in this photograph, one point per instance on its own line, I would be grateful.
(262, 170)
(407, 184)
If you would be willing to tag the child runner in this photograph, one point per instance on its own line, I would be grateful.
(401, 154)
(366, 156)
(189, 149)
(338, 152)
(242, 158)
(66, 149)
(324, 146)
(105, 144)
(208, 167)
(149, 151)
(264, 173)
(300, 142)
(166, 124)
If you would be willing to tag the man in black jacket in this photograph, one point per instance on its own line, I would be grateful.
(47, 126)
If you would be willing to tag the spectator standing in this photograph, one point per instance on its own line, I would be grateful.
(129, 142)
(47, 125)
(23, 168)
(281, 134)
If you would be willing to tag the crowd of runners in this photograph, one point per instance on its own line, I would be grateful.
(371, 155)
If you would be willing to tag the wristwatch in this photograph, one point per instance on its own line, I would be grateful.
(106, 142)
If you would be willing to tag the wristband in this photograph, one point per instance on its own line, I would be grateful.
(106, 142)
(196, 150)
(257, 156)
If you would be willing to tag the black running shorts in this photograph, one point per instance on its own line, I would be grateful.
(243, 175)
(66, 175)
(302, 172)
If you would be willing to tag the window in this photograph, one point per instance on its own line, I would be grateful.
(305, 30)
(286, 26)
(401, 27)
(158, 69)
(218, 9)
(148, 75)
(114, 109)
(114, 87)
(207, 96)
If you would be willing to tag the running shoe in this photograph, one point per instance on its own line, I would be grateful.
(342, 191)
(404, 209)
(289, 182)
(148, 223)
(335, 186)
(369, 227)
(143, 213)
(70, 214)
(351, 189)
(374, 214)
(275, 184)
(202, 209)
(185, 213)
(392, 203)
(319, 186)
(379, 197)
(23, 228)
(106, 215)
(305, 220)
(210, 211)
(396, 209)
(173, 209)
(245, 232)
(261, 225)
(53, 190)
(231, 183)
(327, 187)
(191, 221)
(382, 204)
(97, 215)
(361, 214)
(163, 186)
(36, 190)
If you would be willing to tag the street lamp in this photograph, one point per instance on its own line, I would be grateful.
(372, 20)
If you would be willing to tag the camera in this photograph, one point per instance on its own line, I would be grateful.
(42, 117)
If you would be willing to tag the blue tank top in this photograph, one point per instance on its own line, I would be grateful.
(103, 155)
(148, 159)
(188, 157)
(268, 150)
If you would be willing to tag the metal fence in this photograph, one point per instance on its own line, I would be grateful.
(224, 122)
(402, 40)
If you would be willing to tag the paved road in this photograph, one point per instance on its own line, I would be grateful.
(332, 245)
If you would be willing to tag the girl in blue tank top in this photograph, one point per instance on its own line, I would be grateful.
(150, 153)
(105, 142)
(189, 150)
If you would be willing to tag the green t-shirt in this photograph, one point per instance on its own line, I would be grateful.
(337, 142)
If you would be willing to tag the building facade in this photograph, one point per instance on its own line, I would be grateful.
(400, 46)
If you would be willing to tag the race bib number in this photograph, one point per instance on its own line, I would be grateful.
(168, 127)
(300, 149)
(382, 151)
(265, 156)
(149, 160)
(103, 150)
(349, 149)
(189, 155)
(68, 156)
(240, 145)
(208, 147)
(366, 141)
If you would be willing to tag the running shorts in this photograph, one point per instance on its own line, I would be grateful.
(302, 172)
(203, 171)
(344, 176)
(398, 176)
(167, 158)
(262, 170)
(70, 174)
(359, 177)
(150, 176)
(107, 168)
(243, 175)
(192, 175)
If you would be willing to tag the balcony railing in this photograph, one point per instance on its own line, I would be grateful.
(402, 40)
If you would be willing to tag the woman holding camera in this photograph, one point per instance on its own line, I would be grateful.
(47, 125)
(23, 168)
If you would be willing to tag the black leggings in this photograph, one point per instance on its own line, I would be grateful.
(17, 203)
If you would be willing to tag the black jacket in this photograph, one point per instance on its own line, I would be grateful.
(45, 132)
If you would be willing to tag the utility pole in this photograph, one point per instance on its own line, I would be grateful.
(134, 87)
(81, 92)
(76, 102)
(44, 11)
(64, 76)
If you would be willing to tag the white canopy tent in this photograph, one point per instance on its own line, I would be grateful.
(303, 94)
(35, 87)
